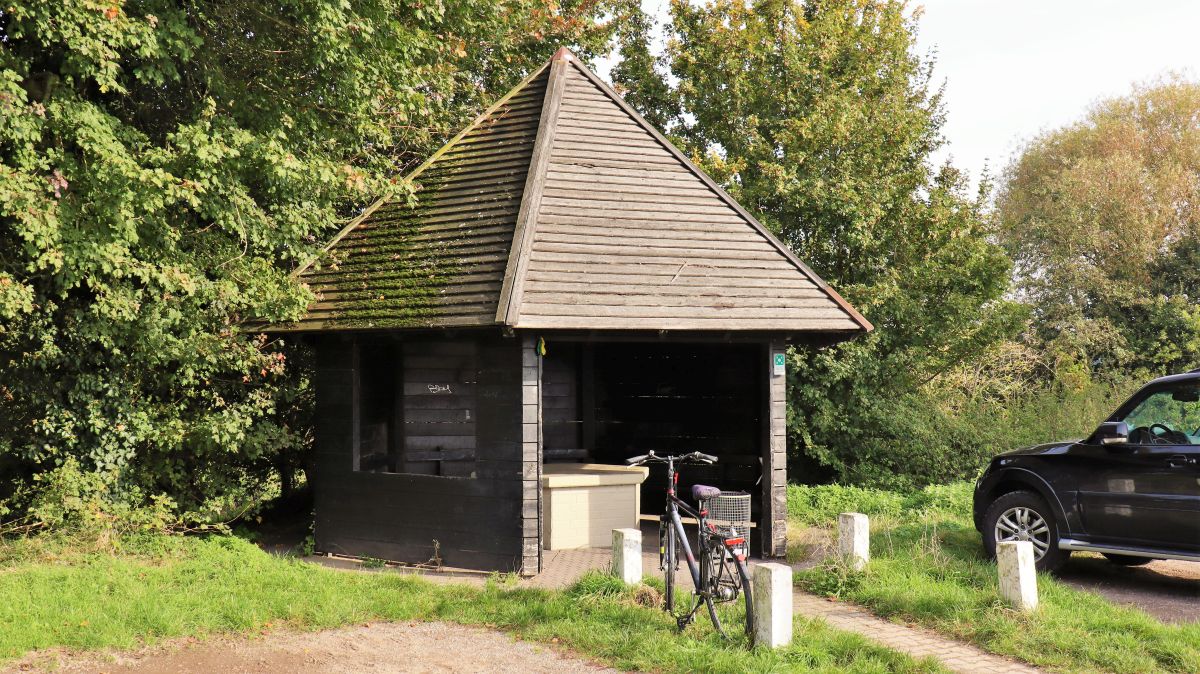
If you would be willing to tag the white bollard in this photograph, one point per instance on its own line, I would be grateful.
(772, 584)
(854, 539)
(1018, 574)
(627, 555)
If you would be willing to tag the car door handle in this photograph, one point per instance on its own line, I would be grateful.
(1180, 461)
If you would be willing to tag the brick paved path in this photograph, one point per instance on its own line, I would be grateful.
(915, 641)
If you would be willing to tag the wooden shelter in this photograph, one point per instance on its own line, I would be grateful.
(568, 287)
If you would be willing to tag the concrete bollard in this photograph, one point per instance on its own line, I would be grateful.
(627, 555)
(854, 539)
(772, 584)
(1018, 574)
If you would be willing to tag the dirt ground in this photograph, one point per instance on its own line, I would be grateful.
(1168, 590)
(375, 647)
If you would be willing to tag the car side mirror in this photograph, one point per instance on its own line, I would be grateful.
(1112, 433)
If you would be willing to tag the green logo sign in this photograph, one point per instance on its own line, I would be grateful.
(779, 360)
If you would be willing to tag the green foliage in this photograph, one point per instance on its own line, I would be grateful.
(819, 505)
(164, 165)
(80, 505)
(927, 567)
(819, 118)
(189, 586)
(1102, 220)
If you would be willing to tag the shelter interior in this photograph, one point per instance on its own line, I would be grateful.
(603, 402)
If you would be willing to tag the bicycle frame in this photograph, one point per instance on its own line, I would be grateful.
(674, 506)
(716, 552)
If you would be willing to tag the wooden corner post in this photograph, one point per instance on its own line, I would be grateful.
(531, 456)
(774, 484)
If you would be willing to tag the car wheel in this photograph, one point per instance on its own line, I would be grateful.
(1024, 516)
(1127, 560)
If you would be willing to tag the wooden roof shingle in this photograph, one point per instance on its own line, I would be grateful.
(561, 207)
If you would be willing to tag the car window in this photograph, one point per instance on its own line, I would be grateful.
(1169, 416)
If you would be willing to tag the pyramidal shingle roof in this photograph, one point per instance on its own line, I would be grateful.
(561, 207)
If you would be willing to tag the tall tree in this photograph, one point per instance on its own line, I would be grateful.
(1103, 219)
(164, 164)
(819, 117)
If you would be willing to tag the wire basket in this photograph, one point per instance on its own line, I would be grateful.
(730, 511)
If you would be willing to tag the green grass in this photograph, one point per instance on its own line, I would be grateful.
(927, 566)
(820, 505)
(164, 587)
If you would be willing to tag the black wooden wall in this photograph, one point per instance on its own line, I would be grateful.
(678, 398)
(605, 402)
(396, 516)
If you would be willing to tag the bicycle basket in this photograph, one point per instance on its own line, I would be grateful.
(730, 510)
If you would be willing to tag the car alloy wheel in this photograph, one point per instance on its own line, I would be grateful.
(1020, 523)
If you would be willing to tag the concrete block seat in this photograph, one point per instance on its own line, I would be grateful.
(583, 502)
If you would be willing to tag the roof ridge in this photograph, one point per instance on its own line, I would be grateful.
(412, 175)
(722, 194)
(508, 306)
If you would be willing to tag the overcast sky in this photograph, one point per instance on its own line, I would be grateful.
(1014, 68)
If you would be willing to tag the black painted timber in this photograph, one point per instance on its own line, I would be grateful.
(476, 521)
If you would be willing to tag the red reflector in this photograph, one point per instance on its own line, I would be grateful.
(735, 541)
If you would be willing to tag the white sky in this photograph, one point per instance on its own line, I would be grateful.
(1014, 68)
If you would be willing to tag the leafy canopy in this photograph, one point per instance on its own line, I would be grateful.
(819, 118)
(163, 165)
(1103, 221)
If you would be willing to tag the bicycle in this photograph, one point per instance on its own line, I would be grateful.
(719, 573)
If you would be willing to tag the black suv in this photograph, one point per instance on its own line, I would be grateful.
(1130, 491)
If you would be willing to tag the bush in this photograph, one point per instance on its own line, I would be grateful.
(945, 433)
(85, 506)
(819, 505)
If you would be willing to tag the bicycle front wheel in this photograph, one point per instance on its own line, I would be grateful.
(667, 550)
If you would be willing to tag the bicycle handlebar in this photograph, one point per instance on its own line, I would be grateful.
(682, 458)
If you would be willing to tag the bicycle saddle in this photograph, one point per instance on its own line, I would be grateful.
(701, 492)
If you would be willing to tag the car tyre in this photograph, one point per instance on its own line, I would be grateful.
(1032, 507)
(1127, 560)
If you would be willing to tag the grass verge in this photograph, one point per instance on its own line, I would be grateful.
(164, 587)
(928, 567)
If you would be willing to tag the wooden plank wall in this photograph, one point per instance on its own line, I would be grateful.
(678, 398)
(531, 456)
(478, 521)
(774, 496)
(562, 413)
(440, 406)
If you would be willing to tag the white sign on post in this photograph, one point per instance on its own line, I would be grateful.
(777, 362)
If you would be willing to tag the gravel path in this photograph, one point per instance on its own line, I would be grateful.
(375, 647)
(1166, 589)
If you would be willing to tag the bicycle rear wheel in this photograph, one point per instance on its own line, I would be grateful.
(728, 579)
(748, 593)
